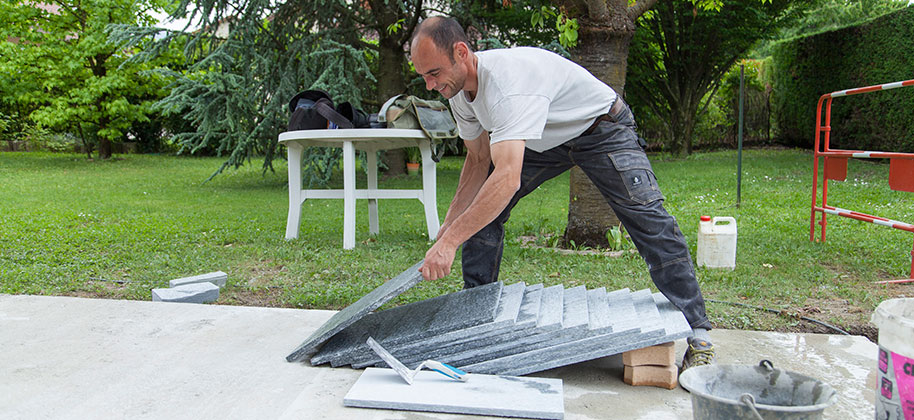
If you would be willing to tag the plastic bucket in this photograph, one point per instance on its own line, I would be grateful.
(755, 392)
(716, 242)
(895, 386)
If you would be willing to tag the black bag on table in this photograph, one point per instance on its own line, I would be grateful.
(314, 110)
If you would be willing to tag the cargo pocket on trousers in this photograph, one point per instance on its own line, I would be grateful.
(637, 175)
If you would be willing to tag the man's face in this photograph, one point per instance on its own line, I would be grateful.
(439, 72)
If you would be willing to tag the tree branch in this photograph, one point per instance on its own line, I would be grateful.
(408, 34)
(638, 9)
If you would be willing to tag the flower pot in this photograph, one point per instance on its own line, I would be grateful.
(412, 168)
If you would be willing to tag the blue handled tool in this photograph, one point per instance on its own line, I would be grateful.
(407, 374)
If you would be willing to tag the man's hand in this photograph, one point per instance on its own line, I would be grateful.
(438, 261)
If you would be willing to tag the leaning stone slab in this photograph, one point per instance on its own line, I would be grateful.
(525, 319)
(487, 395)
(417, 321)
(217, 277)
(352, 313)
(506, 314)
(189, 293)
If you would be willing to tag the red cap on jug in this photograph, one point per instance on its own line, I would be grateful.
(705, 218)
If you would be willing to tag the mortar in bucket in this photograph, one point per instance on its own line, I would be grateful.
(755, 392)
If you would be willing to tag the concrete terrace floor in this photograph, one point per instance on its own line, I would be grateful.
(74, 358)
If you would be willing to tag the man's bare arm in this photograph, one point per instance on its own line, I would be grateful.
(491, 199)
(472, 176)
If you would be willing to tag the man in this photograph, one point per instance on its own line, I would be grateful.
(527, 115)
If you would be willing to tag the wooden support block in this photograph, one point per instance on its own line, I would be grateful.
(647, 375)
(660, 355)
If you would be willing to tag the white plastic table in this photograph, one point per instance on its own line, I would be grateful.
(369, 140)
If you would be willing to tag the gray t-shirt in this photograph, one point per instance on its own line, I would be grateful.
(531, 94)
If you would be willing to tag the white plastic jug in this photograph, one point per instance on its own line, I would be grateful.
(716, 242)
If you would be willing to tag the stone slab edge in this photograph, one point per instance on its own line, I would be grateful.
(188, 293)
(352, 313)
(543, 397)
(505, 316)
(418, 321)
(420, 352)
(217, 277)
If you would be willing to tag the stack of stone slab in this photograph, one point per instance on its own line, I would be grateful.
(508, 330)
(196, 289)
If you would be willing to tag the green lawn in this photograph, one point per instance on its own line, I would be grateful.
(118, 228)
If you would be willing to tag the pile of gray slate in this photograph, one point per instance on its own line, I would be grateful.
(507, 330)
(203, 288)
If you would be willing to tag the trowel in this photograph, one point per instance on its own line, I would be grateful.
(407, 374)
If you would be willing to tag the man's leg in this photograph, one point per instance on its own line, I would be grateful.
(613, 159)
(481, 254)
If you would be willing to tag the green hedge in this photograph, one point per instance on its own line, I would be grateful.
(880, 51)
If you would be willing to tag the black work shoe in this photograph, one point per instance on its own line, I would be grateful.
(699, 353)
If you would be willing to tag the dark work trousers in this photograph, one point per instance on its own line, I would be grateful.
(614, 160)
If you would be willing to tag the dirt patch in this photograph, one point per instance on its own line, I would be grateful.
(533, 242)
(269, 297)
(263, 273)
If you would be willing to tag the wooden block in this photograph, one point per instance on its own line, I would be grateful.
(659, 376)
(659, 355)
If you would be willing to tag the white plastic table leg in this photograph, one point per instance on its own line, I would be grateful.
(429, 195)
(348, 195)
(372, 157)
(295, 200)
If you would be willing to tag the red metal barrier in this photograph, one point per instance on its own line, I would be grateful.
(901, 169)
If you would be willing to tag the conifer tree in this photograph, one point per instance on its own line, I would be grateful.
(250, 57)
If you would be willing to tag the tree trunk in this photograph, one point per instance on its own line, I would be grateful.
(104, 148)
(391, 62)
(603, 50)
(682, 125)
(390, 82)
(104, 144)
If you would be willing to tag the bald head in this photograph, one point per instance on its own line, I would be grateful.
(444, 32)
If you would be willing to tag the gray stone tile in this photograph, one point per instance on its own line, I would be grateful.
(565, 344)
(418, 320)
(575, 313)
(217, 277)
(352, 313)
(598, 316)
(188, 293)
(509, 304)
(674, 321)
(550, 316)
(668, 325)
(443, 352)
(621, 305)
(488, 395)
(575, 324)
(633, 325)
(445, 313)
(342, 342)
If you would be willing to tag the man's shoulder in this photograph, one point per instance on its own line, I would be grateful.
(517, 52)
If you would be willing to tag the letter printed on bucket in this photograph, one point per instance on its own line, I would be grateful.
(904, 379)
(895, 394)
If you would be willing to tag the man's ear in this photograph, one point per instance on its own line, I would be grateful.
(460, 51)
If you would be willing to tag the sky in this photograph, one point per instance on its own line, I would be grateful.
(164, 22)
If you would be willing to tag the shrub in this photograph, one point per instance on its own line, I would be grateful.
(880, 51)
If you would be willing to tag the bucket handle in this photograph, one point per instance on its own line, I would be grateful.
(750, 402)
(747, 398)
